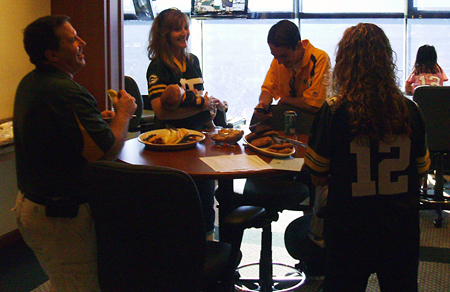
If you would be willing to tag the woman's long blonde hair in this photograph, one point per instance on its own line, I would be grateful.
(159, 37)
(364, 75)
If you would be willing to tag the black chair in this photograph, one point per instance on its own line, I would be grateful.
(144, 119)
(261, 215)
(434, 101)
(150, 231)
(300, 246)
(263, 193)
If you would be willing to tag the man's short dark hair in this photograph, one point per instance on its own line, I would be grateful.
(284, 34)
(40, 36)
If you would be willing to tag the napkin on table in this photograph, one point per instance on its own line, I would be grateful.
(239, 162)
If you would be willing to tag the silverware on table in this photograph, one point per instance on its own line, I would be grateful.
(284, 139)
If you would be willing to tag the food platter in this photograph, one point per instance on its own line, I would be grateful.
(268, 153)
(6, 133)
(226, 136)
(142, 138)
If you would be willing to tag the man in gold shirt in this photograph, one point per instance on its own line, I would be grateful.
(296, 82)
(295, 79)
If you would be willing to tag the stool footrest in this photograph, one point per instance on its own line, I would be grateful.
(285, 278)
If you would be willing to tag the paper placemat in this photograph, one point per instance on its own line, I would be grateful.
(240, 162)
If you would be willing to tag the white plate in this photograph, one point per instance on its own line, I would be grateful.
(143, 136)
(268, 153)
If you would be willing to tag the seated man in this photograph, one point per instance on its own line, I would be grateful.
(295, 79)
(58, 130)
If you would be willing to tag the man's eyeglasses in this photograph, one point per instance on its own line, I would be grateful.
(292, 87)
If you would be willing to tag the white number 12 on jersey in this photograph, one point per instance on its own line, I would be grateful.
(364, 186)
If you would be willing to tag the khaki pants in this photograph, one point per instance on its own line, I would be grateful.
(65, 247)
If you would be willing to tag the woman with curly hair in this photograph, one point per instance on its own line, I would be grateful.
(368, 145)
(426, 70)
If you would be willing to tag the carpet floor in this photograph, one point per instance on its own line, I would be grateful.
(20, 271)
(434, 267)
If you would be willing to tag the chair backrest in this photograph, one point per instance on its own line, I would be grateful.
(149, 226)
(434, 101)
(133, 89)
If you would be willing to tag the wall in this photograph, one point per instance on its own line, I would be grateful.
(101, 28)
(15, 15)
(8, 189)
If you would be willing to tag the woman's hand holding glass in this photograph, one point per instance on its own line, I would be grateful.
(211, 104)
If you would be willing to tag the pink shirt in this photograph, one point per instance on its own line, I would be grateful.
(427, 79)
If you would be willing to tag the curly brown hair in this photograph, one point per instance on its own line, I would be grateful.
(364, 75)
(159, 38)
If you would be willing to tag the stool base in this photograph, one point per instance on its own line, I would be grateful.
(285, 278)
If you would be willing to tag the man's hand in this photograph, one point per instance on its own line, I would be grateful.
(124, 107)
(124, 104)
(107, 114)
(262, 111)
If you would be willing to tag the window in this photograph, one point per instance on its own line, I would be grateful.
(136, 60)
(432, 5)
(428, 31)
(183, 5)
(313, 29)
(352, 6)
(268, 6)
(128, 7)
(235, 56)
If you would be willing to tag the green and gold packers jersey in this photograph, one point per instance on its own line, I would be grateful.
(159, 76)
(373, 193)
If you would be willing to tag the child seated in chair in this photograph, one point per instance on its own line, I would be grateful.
(426, 70)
